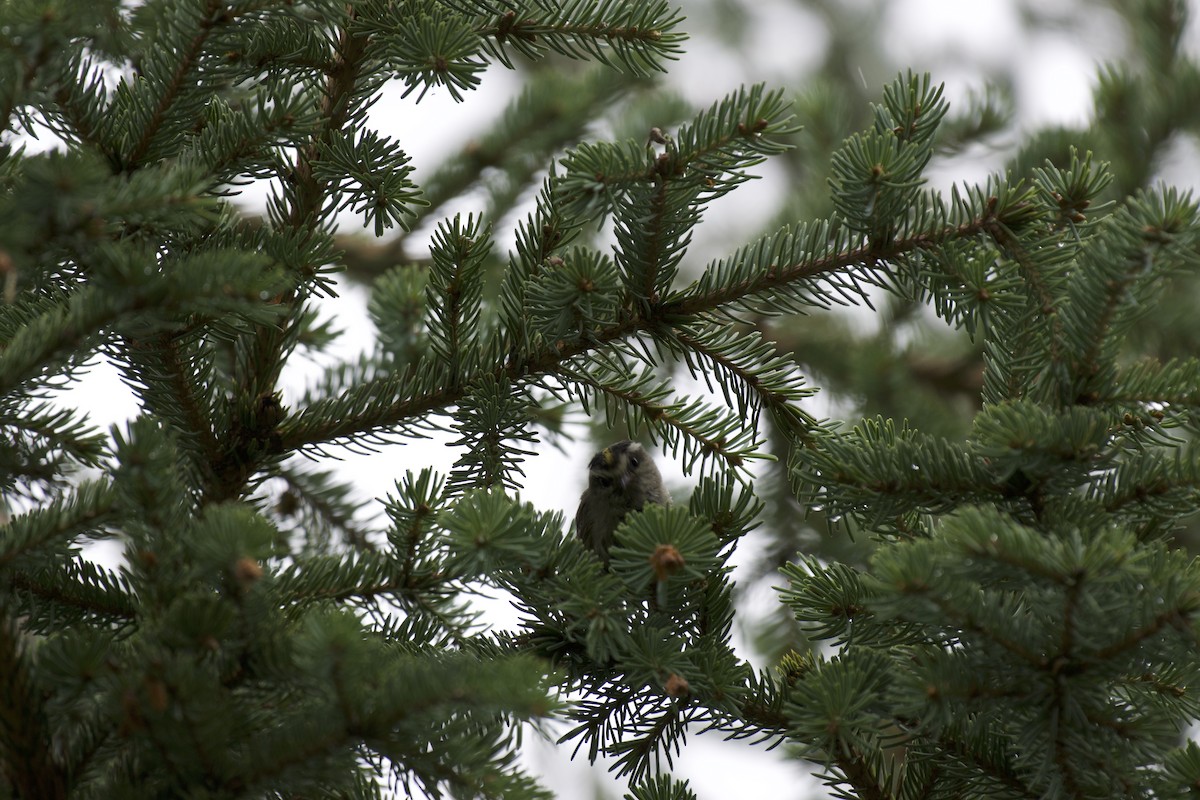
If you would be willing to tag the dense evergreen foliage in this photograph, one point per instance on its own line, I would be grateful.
(989, 591)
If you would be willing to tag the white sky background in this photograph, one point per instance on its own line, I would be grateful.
(958, 42)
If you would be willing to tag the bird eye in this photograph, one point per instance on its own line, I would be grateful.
(633, 462)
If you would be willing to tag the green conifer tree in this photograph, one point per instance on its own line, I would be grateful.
(1014, 613)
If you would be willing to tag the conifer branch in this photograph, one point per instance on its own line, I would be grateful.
(800, 265)
(658, 238)
(302, 211)
(77, 103)
(342, 78)
(211, 15)
(999, 770)
(755, 376)
(83, 591)
(57, 522)
(853, 765)
(1175, 384)
(629, 36)
(26, 761)
(30, 68)
(326, 421)
(1148, 486)
(190, 412)
(58, 333)
(1020, 619)
(454, 294)
(44, 431)
(1178, 617)
(331, 505)
(1043, 298)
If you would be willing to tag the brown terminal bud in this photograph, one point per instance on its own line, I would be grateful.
(247, 571)
(156, 693)
(677, 686)
(666, 561)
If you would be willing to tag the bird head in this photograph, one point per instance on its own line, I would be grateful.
(619, 465)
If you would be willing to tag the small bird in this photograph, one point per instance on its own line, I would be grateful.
(621, 478)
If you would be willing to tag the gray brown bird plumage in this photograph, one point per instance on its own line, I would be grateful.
(621, 478)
